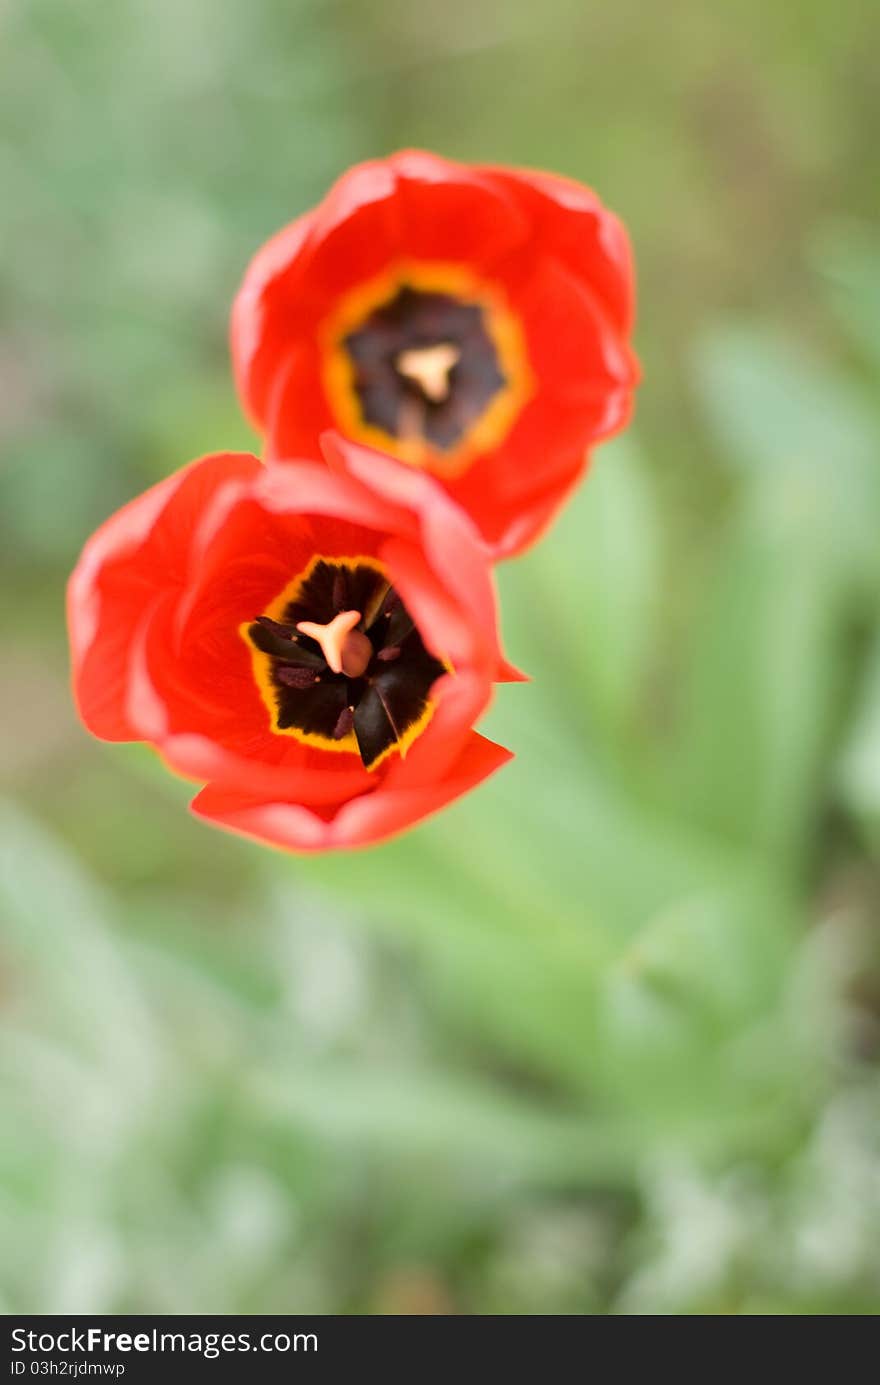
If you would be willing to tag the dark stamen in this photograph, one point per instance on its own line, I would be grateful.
(296, 677)
(283, 643)
(285, 632)
(340, 591)
(344, 723)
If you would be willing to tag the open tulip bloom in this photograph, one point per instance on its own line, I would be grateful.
(472, 322)
(312, 642)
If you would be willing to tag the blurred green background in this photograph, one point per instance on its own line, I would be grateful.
(605, 1037)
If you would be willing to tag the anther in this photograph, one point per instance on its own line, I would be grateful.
(344, 723)
(340, 593)
(284, 632)
(296, 677)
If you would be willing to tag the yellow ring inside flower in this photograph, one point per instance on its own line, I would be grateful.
(501, 326)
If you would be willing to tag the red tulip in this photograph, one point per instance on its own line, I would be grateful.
(314, 643)
(473, 322)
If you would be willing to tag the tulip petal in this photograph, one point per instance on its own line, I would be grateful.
(571, 223)
(361, 821)
(134, 556)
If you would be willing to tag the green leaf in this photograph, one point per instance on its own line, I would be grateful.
(580, 611)
(847, 256)
(859, 767)
(760, 694)
(805, 441)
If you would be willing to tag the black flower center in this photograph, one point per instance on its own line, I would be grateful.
(343, 665)
(425, 367)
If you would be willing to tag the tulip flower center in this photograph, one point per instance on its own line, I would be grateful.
(425, 367)
(340, 663)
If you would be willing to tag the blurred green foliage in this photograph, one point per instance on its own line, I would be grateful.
(605, 1037)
